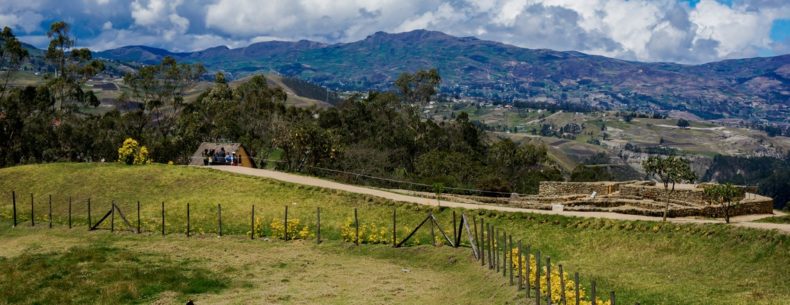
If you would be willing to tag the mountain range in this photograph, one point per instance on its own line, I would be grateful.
(753, 88)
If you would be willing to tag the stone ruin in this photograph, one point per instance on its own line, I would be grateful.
(629, 197)
(648, 198)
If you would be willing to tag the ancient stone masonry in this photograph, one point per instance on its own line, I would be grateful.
(630, 197)
(692, 196)
(553, 188)
(647, 198)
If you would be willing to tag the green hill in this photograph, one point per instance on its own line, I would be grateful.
(471, 67)
(651, 263)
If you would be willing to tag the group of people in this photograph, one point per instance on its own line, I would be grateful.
(219, 157)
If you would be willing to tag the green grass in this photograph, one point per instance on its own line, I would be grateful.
(127, 276)
(648, 262)
(61, 266)
(784, 219)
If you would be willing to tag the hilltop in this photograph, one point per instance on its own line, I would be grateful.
(474, 68)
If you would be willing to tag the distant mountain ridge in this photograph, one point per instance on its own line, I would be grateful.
(470, 67)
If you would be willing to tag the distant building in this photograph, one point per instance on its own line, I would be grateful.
(208, 153)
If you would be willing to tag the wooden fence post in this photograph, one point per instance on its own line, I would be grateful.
(89, 214)
(433, 234)
(576, 286)
(13, 204)
(520, 266)
(455, 233)
(50, 211)
(219, 220)
(489, 244)
(187, 219)
(563, 300)
(498, 257)
(592, 293)
(482, 242)
(32, 212)
(548, 280)
(138, 217)
(163, 218)
(252, 223)
(394, 227)
(356, 227)
(497, 246)
(318, 225)
(611, 298)
(537, 277)
(285, 227)
(112, 220)
(477, 239)
(528, 272)
(510, 263)
(69, 212)
(504, 254)
(490, 247)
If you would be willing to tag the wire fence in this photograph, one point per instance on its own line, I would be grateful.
(356, 178)
(491, 246)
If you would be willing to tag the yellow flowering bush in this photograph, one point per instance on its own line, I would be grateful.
(257, 228)
(278, 229)
(132, 153)
(368, 234)
(556, 286)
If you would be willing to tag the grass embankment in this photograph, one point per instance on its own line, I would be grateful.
(58, 266)
(648, 262)
(784, 219)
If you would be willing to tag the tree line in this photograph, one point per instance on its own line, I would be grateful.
(380, 134)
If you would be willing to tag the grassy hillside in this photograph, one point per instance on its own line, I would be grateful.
(648, 262)
(101, 268)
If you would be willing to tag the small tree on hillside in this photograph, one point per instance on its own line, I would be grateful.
(683, 123)
(438, 189)
(669, 170)
(724, 195)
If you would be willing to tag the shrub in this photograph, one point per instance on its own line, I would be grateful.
(132, 153)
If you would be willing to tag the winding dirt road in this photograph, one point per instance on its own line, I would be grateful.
(744, 221)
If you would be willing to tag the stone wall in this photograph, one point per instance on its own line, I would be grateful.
(658, 193)
(554, 188)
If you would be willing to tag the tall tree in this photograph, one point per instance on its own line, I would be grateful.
(74, 67)
(12, 55)
(161, 89)
(60, 43)
(669, 170)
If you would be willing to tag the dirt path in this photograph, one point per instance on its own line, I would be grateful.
(717, 128)
(744, 221)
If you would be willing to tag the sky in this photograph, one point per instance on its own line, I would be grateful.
(691, 31)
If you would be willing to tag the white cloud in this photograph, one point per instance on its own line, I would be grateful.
(737, 30)
(659, 30)
(26, 21)
(160, 16)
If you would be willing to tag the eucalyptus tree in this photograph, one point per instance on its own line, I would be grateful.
(74, 67)
(12, 56)
(162, 90)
